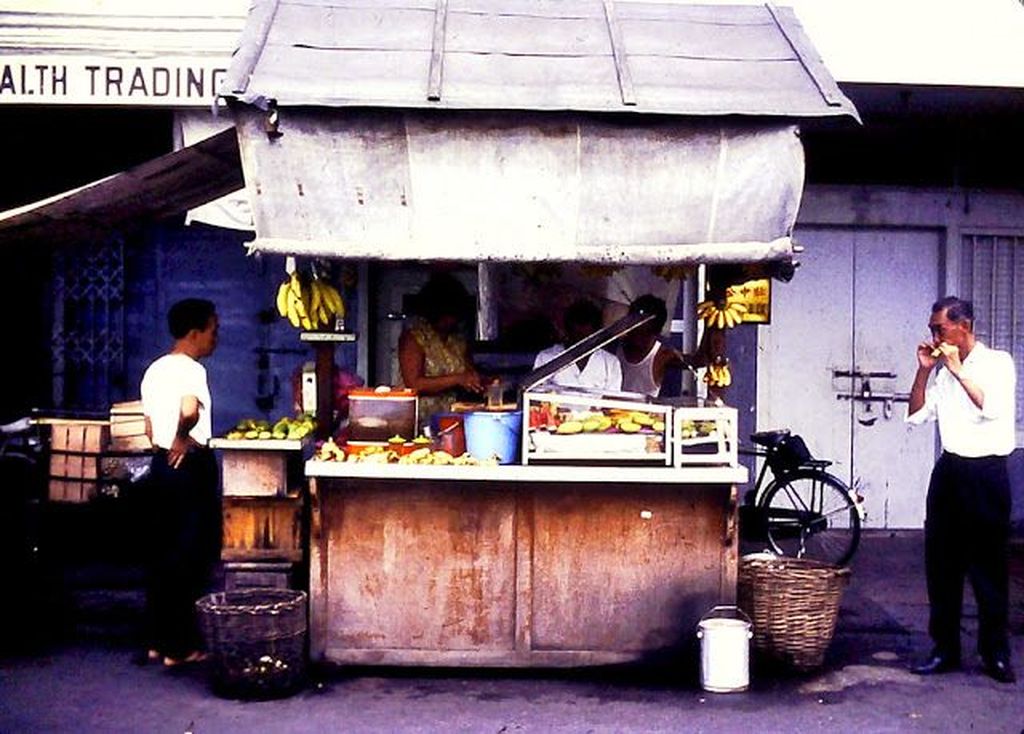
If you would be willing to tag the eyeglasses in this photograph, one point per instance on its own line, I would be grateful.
(939, 329)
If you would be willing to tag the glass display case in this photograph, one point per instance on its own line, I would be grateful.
(578, 427)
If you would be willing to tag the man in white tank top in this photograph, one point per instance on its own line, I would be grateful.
(644, 359)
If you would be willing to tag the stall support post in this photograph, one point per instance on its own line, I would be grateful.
(324, 389)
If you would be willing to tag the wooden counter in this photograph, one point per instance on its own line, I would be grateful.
(514, 565)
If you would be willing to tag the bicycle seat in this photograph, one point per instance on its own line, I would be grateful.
(769, 438)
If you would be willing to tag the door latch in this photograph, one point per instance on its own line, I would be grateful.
(858, 374)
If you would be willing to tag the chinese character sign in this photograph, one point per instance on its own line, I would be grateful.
(756, 295)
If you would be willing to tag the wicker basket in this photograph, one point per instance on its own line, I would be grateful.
(256, 639)
(793, 604)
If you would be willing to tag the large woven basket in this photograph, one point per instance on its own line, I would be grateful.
(793, 604)
(256, 639)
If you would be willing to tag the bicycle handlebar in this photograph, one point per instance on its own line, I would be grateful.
(22, 425)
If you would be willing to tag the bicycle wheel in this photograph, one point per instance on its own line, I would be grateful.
(812, 514)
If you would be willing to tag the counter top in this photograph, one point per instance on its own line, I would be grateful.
(532, 473)
(258, 444)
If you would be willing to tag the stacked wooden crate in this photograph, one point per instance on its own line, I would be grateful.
(75, 450)
(128, 427)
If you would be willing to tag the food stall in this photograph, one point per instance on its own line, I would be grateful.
(583, 131)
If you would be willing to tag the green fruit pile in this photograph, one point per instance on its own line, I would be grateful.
(285, 428)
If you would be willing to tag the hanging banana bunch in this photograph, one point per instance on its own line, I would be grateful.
(326, 302)
(308, 303)
(721, 315)
(718, 374)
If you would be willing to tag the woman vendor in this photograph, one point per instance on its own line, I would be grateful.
(433, 356)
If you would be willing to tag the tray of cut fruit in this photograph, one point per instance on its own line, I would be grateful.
(568, 427)
(420, 451)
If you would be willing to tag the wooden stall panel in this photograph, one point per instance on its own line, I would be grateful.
(630, 570)
(254, 473)
(420, 568)
(262, 528)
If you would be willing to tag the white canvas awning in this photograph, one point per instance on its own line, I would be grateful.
(394, 184)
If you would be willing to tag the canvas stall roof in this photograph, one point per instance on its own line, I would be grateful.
(583, 55)
(162, 187)
(490, 130)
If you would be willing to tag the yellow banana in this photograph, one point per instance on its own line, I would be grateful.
(306, 297)
(292, 310)
(316, 301)
(332, 297)
(320, 304)
(319, 312)
(339, 303)
(282, 298)
(322, 316)
(299, 296)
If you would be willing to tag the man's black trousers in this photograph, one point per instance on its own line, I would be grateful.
(967, 531)
(184, 541)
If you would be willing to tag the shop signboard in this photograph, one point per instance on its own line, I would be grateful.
(94, 80)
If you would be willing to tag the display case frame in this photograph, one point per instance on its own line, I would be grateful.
(717, 448)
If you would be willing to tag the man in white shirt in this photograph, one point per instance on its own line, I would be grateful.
(598, 372)
(967, 522)
(183, 493)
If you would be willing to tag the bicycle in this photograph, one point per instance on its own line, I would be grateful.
(804, 511)
(26, 562)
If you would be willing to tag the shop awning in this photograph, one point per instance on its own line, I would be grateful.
(163, 187)
(488, 130)
(409, 184)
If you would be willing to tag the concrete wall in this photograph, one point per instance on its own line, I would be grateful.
(257, 351)
(953, 212)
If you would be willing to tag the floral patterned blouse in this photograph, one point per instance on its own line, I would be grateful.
(441, 356)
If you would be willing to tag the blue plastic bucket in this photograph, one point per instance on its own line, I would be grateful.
(494, 433)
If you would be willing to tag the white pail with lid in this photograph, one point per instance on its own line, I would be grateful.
(724, 634)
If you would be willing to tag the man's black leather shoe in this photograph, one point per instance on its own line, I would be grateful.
(1000, 670)
(936, 664)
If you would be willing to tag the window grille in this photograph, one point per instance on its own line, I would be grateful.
(992, 276)
(88, 325)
